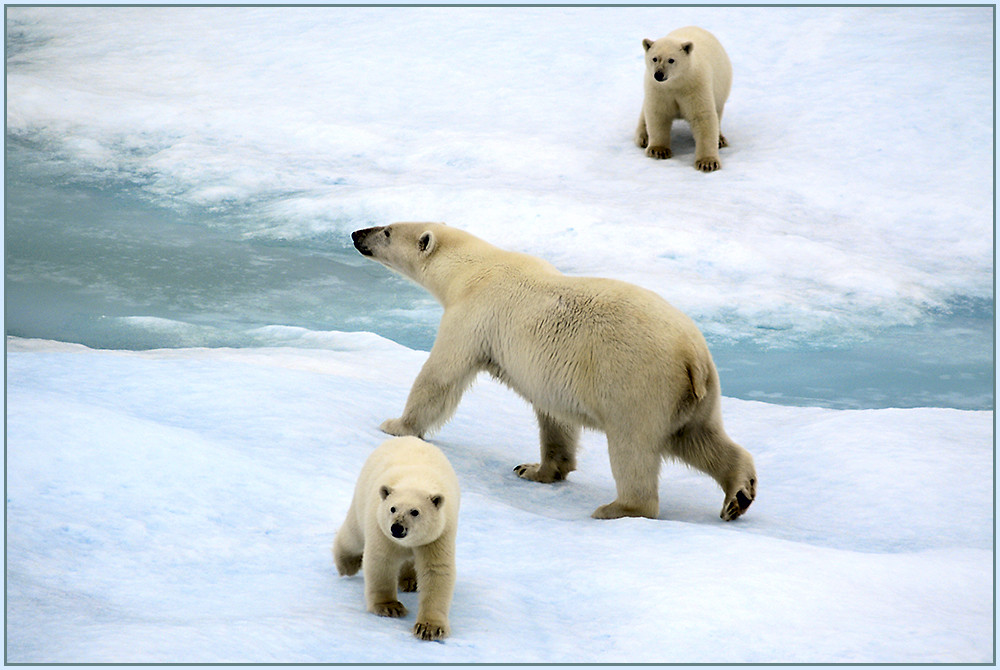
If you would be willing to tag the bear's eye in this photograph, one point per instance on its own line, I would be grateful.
(414, 512)
(392, 510)
(669, 60)
(387, 232)
(656, 59)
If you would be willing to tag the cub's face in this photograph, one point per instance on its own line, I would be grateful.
(411, 518)
(403, 247)
(667, 59)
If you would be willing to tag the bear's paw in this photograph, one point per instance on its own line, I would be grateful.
(430, 630)
(708, 164)
(393, 609)
(398, 427)
(536, 473)
(738, 503)
(659, 152)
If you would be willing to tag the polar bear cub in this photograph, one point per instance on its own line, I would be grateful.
(583, 351)
(400, 531)
(688, 76)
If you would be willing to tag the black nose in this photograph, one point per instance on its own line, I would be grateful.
(359, 237)
(659, 76)
(397, 531)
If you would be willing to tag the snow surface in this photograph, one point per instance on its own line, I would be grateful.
(180, 505)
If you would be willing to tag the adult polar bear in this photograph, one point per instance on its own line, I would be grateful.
(688, 76)
(587, 352)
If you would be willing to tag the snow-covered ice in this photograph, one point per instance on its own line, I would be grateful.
(180, 505)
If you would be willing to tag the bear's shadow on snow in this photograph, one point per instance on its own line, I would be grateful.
(488, 469)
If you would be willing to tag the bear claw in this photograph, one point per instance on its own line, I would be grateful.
(533, 472)
(393, 609)
(708, 164)
(659, 152)
(740, 502)
(430, 631)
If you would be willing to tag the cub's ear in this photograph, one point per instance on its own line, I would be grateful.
(384, 492)
(427, 242)
(437, 500)
(687, 47)
(646, 44)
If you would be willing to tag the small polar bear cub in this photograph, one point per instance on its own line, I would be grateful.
(584, 351)
(400, 531)
(688, 76)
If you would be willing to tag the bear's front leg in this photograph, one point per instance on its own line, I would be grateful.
(707, 141)
(435, 565)
(659, 128)
(448, 371)
(380, 565)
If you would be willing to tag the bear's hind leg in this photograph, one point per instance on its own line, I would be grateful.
(558, 451)
(635, 464)
(348, 547)
(711, 451)
(408, 578)
(641, 136)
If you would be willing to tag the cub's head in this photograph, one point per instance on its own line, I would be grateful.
(410, 517)
(403, 247)
(667, 59)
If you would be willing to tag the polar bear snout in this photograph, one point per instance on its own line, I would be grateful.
(361, 237)
(398, 531)
(660, 75)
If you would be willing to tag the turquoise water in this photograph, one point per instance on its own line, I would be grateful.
(102, 266)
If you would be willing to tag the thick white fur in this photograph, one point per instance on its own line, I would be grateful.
(402, 476)
(695, 76)
(584, 351)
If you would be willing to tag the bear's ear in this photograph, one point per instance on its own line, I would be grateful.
(437, 500)
(646, 44)
(427, 242)
(384, 492)
(687, 47)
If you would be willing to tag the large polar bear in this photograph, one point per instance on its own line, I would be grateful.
(688, 76)
(400, 530)
(587, 352)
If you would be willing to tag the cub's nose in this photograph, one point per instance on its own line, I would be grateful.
(659, 76)
(398, 531)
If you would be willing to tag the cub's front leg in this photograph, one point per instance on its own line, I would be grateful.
(435, 566)
(707, 140)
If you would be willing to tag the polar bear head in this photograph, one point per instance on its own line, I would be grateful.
(431, 254)
(403, 247)
(410, 517)
(667, 59)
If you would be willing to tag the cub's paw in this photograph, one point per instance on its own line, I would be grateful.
(641, 139)
(430, 630)
(722, 141)
(347, 565)
(536, 473)
(393, 609)
(707, 164)
(408, 580)
(397, 427)
(659, 152)
(736, 504)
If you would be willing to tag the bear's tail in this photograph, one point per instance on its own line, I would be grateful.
(698, 376)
